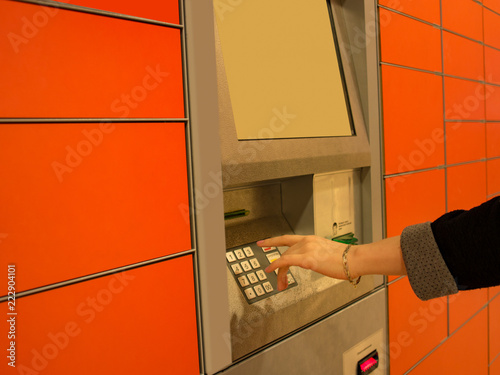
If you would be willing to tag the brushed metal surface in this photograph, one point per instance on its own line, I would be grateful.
(319, 349)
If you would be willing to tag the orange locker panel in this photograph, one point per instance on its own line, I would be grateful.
(465, 141)
(141, 321)
(491, 34)
(405, 41)
(495, 367)
(413, 119)
(466, 186)
(159, 10)
(494, 320)
(466, 352)
(492, 139)
(492, 4)
(492, 65)
(462, 57)
(415, 327)
(59, 63)
(464, 17)
(493, 176)
(492, 102)
(82, 198)
(427, 10)
(464, 305)
(414, 198)
(464, 100)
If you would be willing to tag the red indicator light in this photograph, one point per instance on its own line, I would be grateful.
(367, 364)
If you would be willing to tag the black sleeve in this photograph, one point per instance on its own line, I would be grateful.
(469, 242)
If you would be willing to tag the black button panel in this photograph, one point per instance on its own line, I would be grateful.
(247, 264)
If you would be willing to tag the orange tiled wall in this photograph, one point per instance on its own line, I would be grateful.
(440, 74)
(94, 189)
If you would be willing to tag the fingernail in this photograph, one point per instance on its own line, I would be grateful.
(260, 242)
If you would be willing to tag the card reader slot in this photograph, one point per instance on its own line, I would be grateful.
(368, 364)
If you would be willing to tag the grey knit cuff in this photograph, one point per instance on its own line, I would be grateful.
(428, 274)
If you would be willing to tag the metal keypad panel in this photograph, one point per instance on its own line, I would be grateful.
(247, 264)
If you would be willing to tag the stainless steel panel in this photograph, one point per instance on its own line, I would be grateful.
(244, 329)
(256, 325)
(245, 162)
(319, 349)
(207, 190)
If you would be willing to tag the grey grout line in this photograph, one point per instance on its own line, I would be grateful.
(408, 16)
(97, 275)
(59, 120)
(439, 167)
(482, 160)
(444, 149)
(440, 74)
(395, 280)
(491, 10)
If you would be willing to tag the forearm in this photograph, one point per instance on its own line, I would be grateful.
(379, 258)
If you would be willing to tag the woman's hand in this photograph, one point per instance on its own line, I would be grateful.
(325, 256)
(309, 252)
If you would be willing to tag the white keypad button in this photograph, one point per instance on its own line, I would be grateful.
(253, 278)
(248, 251)
(266, 249)
(268, 287)
(261, 275)
(255, 263)
(250, 293)
(236, 269)
(243, 281)
(240, 254)
(273, 256)
(259, 290)
(290, 278)
(230, 256)
(246, 266)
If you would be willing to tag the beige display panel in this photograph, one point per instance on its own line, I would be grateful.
(282, 69)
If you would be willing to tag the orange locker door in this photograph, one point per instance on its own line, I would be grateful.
(413, 139)
(61, 63)
(83, 198)
(141, 321)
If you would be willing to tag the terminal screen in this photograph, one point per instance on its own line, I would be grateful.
(283, 72)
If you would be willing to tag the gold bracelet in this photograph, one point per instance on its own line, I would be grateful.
(346, 269)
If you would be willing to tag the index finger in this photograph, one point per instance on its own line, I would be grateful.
(286, 240)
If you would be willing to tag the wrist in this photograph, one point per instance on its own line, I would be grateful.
(354, 260)
(379, 258)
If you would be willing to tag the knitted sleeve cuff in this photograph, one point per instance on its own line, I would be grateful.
(427, 272)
